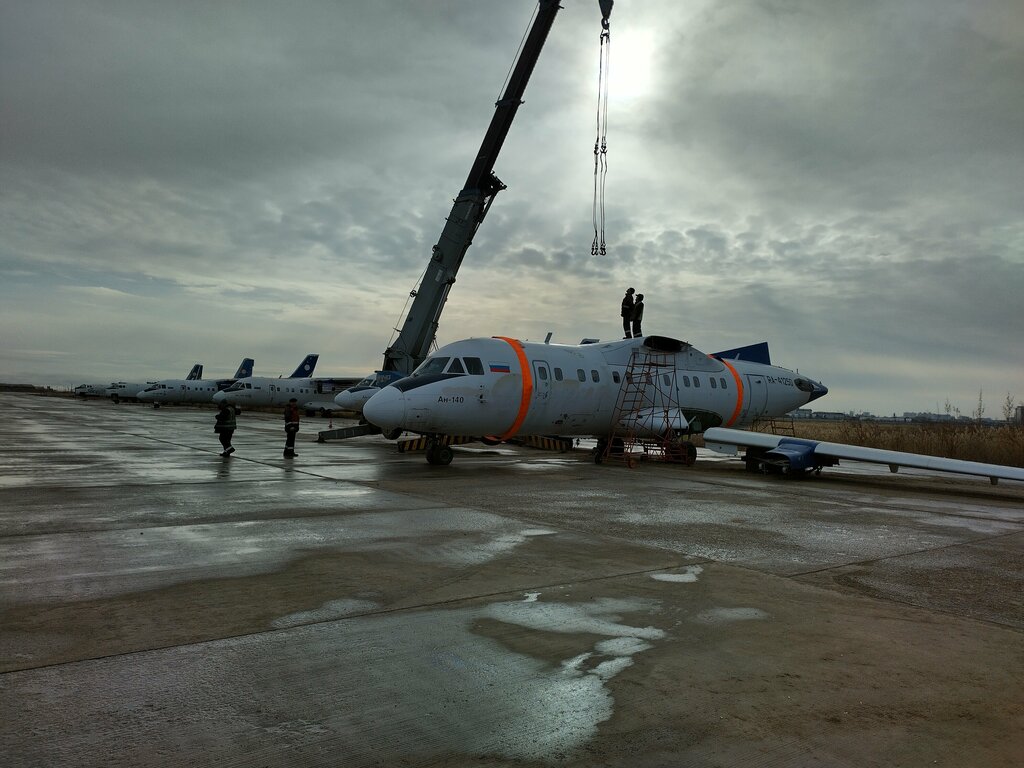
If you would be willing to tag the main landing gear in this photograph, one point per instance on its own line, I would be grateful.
(439, 454)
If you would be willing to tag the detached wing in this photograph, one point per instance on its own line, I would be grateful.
(799, 454)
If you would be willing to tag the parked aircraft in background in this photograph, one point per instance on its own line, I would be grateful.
(191, 390)
(125, 390)
(129, 390)
(500, 388)
(354, 398)
(90, 390)
(314, 395)
(792, 455)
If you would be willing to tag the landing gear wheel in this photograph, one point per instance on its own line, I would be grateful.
(440, 455)
(393, 434)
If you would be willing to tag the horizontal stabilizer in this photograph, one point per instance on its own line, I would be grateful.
(754, 353)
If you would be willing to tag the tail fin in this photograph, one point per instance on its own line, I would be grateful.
(305, 368)
(245, 369)
(196, 373)
(754, 353)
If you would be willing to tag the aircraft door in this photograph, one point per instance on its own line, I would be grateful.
(541, 388)
(756, 401)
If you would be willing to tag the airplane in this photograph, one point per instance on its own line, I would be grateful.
(355, 397)
(499, 388)
(193, 389)
(129, 390)
(314, 395)
(90, 390)
(797, 456)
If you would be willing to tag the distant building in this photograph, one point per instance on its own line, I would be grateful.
(829, 415)
(1018, 415)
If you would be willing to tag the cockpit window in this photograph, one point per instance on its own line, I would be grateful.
(432, 365)
(456, 366)
(804, 385)
(474, 366)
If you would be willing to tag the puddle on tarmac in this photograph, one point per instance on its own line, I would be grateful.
(415, 685)
(726, 615)
(102, 564)
(688, 576)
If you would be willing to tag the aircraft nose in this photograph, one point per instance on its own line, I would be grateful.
(818, 390)
(219, 397)
(353, 398)
(386, 409)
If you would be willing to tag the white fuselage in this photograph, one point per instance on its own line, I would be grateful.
(125, 390)
(180, 391)
(501, 388)
(260, 391)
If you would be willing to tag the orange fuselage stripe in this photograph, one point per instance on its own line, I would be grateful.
(739, 394)
(524, 401)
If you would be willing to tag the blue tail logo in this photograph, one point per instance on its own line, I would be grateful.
(245, 369)
(755, 353)
(196, 373)
(305, 368)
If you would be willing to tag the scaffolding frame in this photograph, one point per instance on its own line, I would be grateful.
(647, 396)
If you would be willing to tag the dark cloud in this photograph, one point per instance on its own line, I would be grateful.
(842, 179)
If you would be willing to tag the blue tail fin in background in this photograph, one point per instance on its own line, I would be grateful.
(196, 373)
(305, 368)
(245, 369)
(755, 353)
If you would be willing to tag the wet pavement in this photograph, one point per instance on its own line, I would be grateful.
(162, 606)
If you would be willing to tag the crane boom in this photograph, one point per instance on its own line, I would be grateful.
(468, 210)
(417, 333)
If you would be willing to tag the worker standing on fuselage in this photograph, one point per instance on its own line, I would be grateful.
(638, 316)
(291, 427)
(627, 313)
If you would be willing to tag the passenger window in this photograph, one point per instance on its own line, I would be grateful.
(558, 374)
(595, 376)
(667, 381)
(581, 374)
(686, 381)
(714, 384)
(474, 366)
(456, 366)
(696, 382)
(723, 383)
(615, 377)
(542, 373)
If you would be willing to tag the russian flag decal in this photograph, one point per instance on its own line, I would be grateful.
(499, 368)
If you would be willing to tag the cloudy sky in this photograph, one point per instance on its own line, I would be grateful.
(201, 181)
